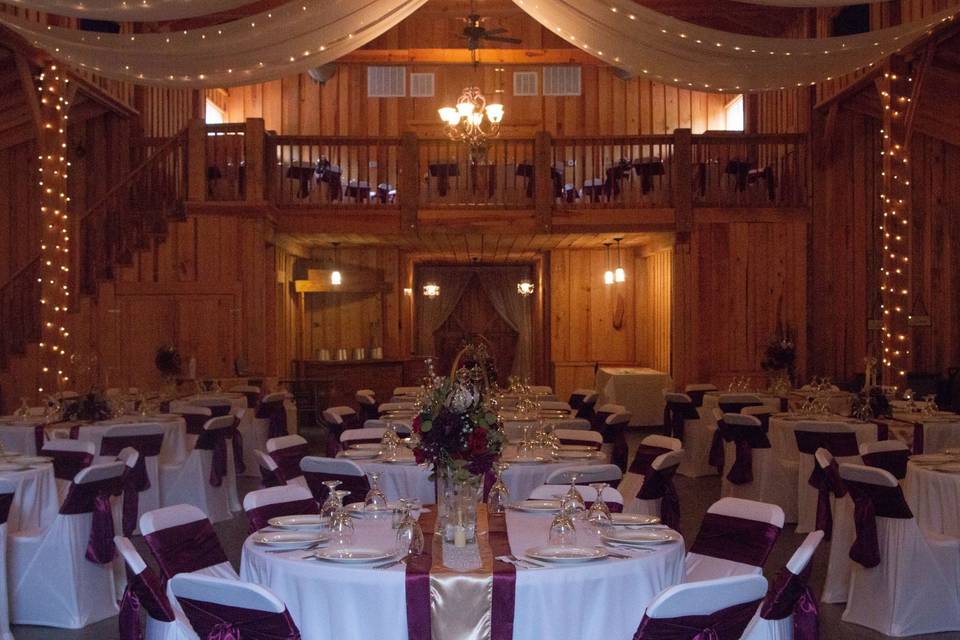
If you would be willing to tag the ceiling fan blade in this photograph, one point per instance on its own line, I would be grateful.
(495, 32)
(502, 39)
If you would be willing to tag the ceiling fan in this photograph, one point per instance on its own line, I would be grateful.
(475, 32)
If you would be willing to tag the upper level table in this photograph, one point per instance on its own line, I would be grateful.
(639, 389)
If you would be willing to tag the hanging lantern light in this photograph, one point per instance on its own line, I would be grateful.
(619, 275)
(608, 274)
(335, 278)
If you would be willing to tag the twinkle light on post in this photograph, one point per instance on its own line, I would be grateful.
(54, 273)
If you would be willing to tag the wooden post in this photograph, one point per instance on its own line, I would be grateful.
(543, 180)
(254, 155)
(409, 179)
(197, 160)
(683, 182)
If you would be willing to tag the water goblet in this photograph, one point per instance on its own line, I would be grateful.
(332, 503)
(375, 499)
(599, 513)
(572, 502)
(409, 534)
(499, 495)
(403, 508)
(341, 528)
(562, 531)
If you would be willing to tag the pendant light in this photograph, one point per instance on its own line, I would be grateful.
(335, 278)
(619, 275)
(608, 274)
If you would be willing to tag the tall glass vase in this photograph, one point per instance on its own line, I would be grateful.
(457, 501)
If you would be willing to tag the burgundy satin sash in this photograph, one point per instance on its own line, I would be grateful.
(504, 580)
(67, 464)
(195, 422)
(369, 412)
(142, 589)
(871, 501)
(736, 539)
(39, 435)
(918, 437)
(135, 479)
(218, 410)
(658, 484)
(259, 518)
(252, 398)
(288, 461)
(356, 485)
(6, 501)
(696, 397)
(94, 498)
(222, 622)
(725, 624)
(600, 424)
(883, 431)
(270, 478)
(585, 443)
(645, 456)
(789, 594)
(215, 440)
(826, 481)
(840, 444)
(746, 438)
(675, 415)
(893, 461)
(185, 548)
(737, 407)
(276, 415)
(417, 587)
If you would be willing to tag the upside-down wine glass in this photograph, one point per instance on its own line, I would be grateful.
(375, 499)
(332, 503)
(572, 501)
(341, 524)
(599, 513)
(409, 533)
(499, 495)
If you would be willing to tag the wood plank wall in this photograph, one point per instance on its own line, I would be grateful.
(654, 292)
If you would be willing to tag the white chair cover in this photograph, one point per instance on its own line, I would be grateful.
(914, 589)
(807, 495)
(189, 483)
(767, 474)
(150, 499)
(650, 507)
(362, 434)
(53, 584)
(837, 583)
(275, 446)
(180, 514)
(704, 597)
(697, 438)
(397, 407)
(632, 482)
(338, 415)
(71, 446)
(7, 489)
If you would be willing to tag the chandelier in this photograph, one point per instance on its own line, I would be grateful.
(472, 121)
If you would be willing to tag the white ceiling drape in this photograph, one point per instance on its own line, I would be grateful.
(264, 46)
(652, 45)
(130, 11)
(803, 3)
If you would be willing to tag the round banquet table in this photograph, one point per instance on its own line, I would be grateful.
(601, 599)
(35, 503)
(933, 497)
(410, 480)
(711, 400)
(784, 443)
(237, 401)
(19, 436)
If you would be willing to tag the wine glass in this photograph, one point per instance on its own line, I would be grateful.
(562, 531)
(341, 526)
(332, 503)
(23, 410)
(375, 499)
(499, 495)
(572, 502)
(409, 533)
(599, 513)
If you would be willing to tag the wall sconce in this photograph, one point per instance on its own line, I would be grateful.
(408, 291)
(525, 288)
(335, 278)
(608, 274)
(619, 275)
(431, 290)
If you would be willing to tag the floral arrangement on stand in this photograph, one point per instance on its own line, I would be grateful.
(90, 407)
(168, 362)
(780, 355)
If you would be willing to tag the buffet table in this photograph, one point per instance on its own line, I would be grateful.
(639, 389)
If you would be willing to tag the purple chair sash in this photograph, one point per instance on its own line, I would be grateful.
(195, 423)
(736, 539)
(215, 440)
(893, 461)
(745, 438)
(725, 624)
(270, 478)
(369, 411)
(219, 410)
(658, 484)
(259, 518)
(222, 622)
(39, 436)
(737, 407)
(142, 589)
(645, 456)
(871, 501)
(583, 409)
(675, 415)
(67, 464)
(789, 594)
(276, 415)
(6, 501)
(826, 481)
(185, 548)
(288, 461)
(840, 444)
(918, 437)
(94, 498)
(696, 397)
(586, 443)
(136, 479)
(253, 398)
(356, 485)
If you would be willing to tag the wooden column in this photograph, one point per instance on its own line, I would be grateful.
(254, 156)
(683, 182)
(895, 95)
(543, 195)
(409, 179)
(197, 160)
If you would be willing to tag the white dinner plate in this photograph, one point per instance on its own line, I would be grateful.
(633, 519)
(931, 458)
(400, 460)
(361, 454)
(552, 553)
(575, 455)
(353, 555)
(534, 505)
(12, 466)
(289, 539)
(367, 446)
(639, 536)
(306, 521)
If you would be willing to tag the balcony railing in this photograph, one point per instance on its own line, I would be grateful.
(242, 162)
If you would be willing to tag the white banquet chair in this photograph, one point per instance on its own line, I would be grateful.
(656, 495)
(837, 438)
(583, 401)
(836, 519)
(367, 400)
(147, 441)
(647, 451)
(194, 418)
(586, 474)
(722, 605)
(337, 420)
(287, 452)
(163, 622)
(611, 496)
(583, 437)
(903, 581)
(890, 455)
(363, 435)
(198, 480)
(352, 478)
(759, 476)
(250, 392)
(63, 575)
(69, 458)
(789, 599)
(735, 538)
(211, 603)
(267, 420)
(682, 418)
(7, 491)
(288, 500)
(269, 476)
(182, 540)
(406, 392)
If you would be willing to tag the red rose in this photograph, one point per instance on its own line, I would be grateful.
(419, 455)
(478, 440)
(415, 425)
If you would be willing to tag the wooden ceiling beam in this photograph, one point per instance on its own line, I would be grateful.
(462, 56)
(29, 90)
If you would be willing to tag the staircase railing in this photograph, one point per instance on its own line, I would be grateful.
(133, 213)
(19, 311)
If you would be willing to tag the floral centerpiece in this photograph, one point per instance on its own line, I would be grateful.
(168, 362)
(780, 355)
(90, 407)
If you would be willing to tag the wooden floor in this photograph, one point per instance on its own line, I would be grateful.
(695, 496)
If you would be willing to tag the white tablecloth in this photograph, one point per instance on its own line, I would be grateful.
(35, 503)
(513, 429)
(604, 599)
(711, 401)
(639, 389)
(20, 437)
(237, 401)
(784, 443)
(934, 498)
(939, 432)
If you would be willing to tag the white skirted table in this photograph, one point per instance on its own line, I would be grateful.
(35, 503)
(934, 497)
(599, 599)
(639, 389)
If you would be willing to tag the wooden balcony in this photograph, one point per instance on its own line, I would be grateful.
(398, 185)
